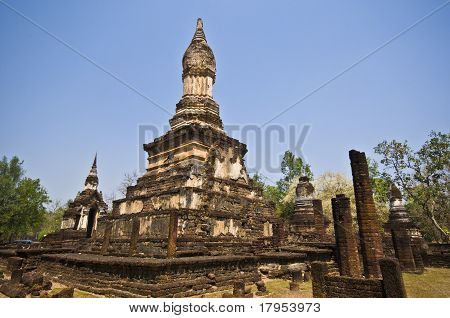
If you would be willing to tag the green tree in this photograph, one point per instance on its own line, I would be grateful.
(22, 201)
(282, 194)
(423, 176)
(381, 183)
(292, 168)
(328, 185)
(53, 218)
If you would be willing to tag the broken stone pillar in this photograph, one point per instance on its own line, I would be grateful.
(418, 260)
(293, 286)
(347, 247)
(306, 276)
(14, 263)
(172, 239)
(318, 272)
(134, 235)
(369, 227)
(239, 289)
(400, 225)
(297, 276)
(319, 220)
(16, 275)
(107, 238)
(261, 287)
(279, 234)
(392, 278)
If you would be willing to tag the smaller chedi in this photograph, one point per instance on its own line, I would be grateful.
(87, 207)
(406, 238)
(307, 223)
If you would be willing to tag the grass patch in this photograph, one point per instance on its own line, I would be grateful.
(433, 283)
(277, 288)
(76, 293)
(84, 294)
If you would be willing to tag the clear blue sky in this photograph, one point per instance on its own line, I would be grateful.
(57, 110)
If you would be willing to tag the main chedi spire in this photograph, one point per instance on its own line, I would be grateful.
(92, 178)
(196, 188)
(199, 74)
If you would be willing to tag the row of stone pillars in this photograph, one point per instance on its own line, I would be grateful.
(369, 227)
(407, 253)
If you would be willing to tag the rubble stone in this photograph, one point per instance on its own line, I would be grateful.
(14, 263)
(32, 278)
(13, 290)
(16, 275)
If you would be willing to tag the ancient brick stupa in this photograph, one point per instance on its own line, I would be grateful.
(406, 238)
(196, 186)
(87, 207)
(307, 223)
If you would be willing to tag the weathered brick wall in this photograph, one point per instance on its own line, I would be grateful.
(330, 286)
(140, 277)
(438, 255)
(349, 287)
(437, 260)
(199, 233)
(195, 277)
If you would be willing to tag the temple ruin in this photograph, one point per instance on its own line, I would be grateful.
(195, 223)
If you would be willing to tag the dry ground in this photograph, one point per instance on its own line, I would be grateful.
(434, 283)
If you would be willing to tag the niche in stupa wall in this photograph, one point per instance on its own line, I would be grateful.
(268, 230)
(194, 181)
(227, 227)
(101, 227)
(121, 228)
(67, 224)
(133, 206)
(228, 165)
(145, 225)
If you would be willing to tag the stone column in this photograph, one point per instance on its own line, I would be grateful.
(347, 247)
(172, 239)
(278, 232)
(318, 272)
(319, 220)
(239, 289)
(134, 235)
(107, 238)
(418, 261)
(392, 279)
(369, 227)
